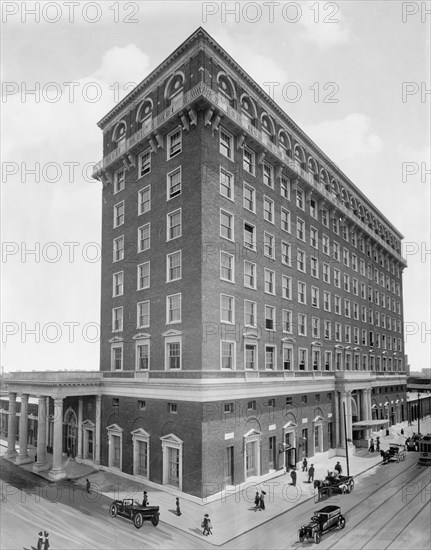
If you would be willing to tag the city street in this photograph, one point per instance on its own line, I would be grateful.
(389, 508)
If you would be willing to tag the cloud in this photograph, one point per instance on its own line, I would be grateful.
(324, 24)
(345, 138)
(123, 65)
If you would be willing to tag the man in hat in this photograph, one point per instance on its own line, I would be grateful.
(262, 500)
(207, 525)
(46, 544)
(311, 473)
(40, 541)
(87, 486)
(293, 477)
(338, 469)
(145, 499)
(304, 464)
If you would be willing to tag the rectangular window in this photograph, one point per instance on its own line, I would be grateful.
(227, 355)
(302, 359)
(287, 321)
(249, 313)
(288, 363)
(269, 279)
(314, 237)
(325, 217)
(269, 318)
(118, 284)
(143, 314)
(346, 257)
(227, 267)
(347, 308)
(316, 359)
(116, 362)
(143, 362)
(174, 226)
(144, 163)
(285, 188)
(250, 356)
(337, 332)
(117, 319)
(268, 175)
(249, 161)
(227, 309)
(174, 183)
(285, 220)
(315, 297)
(337, 305)
(174, 143)
(268, 245)
(325, 245)
(119, 214)
(314, 267)
(144, 238)
(173, 353)
(226, 184)
(346, 279)
(249, 198)
(302, 293)
(118, 249)
(336, 225)
(226, 143)
(300, 259)
(327, 330)
(300, 198)
(268, 209)
(336, 251)
(326, 273)
(313, 208)
(326, 300)
(228, 408)
(302, 324)
(315, 327)
(300, 229)
(286, 253)
(249, 274)
(226, 225)
(249, 236)
(173, 309)
(143, 276)
(337, 280)
(286, 287)
(270, 358)
(144, 200)
(173, 266)
(119, 180)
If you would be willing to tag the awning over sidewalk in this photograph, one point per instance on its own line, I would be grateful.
(363, 424)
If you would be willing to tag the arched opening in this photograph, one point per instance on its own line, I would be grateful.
(144, 114)
(70, 433)
(248, 109)
(267, 126)
(226, 88)
(174, 90)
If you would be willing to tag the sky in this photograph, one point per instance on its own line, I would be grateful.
(353, 74)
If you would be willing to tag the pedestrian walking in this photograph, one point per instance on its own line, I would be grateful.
(371, 448)
(304, 464)
(145, 499)
(311, 473)
(262, 500)
(46, 544)
(40, 541)
(338, 468)
(257, 501)
(207, 526)
(378, 444)
(293, 477)
(88, 487)
(177, 504)
(402, 431)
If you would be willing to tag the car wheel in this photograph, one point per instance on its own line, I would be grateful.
(301, 538)
(317, 538)
(113, 510)
(341, 523)
(138, 521)
(155, 520)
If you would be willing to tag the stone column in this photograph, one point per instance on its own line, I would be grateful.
(342, 404)
(98, 426)
(349, 415)
(23, 457)
(11, 431)
(42, 462)
(47, 420)
(57, 471)
(80, 407)
(338, 420)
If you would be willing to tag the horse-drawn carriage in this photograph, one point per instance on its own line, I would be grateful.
(395, 453)
(333, 484)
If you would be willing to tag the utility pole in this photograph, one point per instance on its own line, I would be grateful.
(419, 413)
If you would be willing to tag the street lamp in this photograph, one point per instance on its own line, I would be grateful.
(419, 413)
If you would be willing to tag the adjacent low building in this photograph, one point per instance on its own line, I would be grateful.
(251, 293)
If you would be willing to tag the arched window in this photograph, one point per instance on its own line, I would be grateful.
(299, 156)
(344, 196)
(324, 178)
(144, 114)
(312, 168)
(361, 212)
(174, 89)
(119, 134)
(267, 126)
(248, 109)
(335, 188)
(226, 88)
(284, 142)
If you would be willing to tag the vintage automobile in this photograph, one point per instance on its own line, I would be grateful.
(324, 520)
(395, 453)
(133, 510)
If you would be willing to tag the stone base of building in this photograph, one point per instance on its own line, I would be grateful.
(40, 467)
(55, 475)
(341, 451)
(23, 460)
(10, 455)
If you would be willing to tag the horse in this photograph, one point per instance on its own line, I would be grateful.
(385, 455)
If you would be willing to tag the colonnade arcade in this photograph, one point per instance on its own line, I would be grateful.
(61, 430)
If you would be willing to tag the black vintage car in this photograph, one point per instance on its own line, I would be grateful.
(133, 510)
(323, 520)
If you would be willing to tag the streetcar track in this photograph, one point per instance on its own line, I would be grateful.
(373, 511)
(405, 527)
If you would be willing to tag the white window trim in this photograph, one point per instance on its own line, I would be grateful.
(167, 309)
(233, 356)
(168, 227)
(142, 342)
(113, 284)
(233, 309)
(274, 347)
(117, 345)
(168, 145)
(233, 267)
(232, 217)
(141, 191)
(137, 314)
(167, 266)
(168, 180)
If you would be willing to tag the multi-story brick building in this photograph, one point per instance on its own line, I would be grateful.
(250, 291)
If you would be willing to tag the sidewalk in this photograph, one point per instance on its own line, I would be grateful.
(280, 495)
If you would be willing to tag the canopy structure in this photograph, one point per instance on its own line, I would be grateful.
(363, 424)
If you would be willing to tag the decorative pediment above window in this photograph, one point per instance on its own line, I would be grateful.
(171, 332)
(116, 339)
(142, 336)
(252, 433)
(115, 428)
(171, 440)
(290, 424)
(316, 343)
(288, 340)
(251, 333)
(87, 424)
(318, 418)
(140, 433)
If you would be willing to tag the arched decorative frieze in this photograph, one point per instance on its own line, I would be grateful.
(226, 87)
(174, 88)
